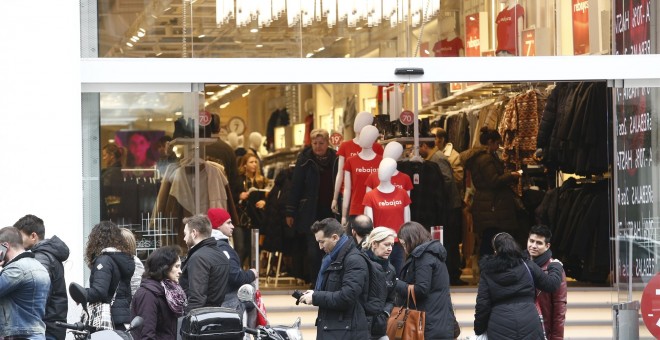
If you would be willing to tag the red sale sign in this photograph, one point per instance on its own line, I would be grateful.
(407, 117)
(205, 118)
(336, 139)
(650, 306)
(472, 38)
(529, 42)
(580, 11)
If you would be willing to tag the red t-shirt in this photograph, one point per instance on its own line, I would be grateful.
(400, 180)
(388, 208)
(349, 149)
(448, 48)
(507, 29)
(360, 170)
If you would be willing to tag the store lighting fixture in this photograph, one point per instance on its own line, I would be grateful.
(134, 39)
(178, 113)
(201, 36)
(260, 45)
(373, 12)
(246, 93)
(254, 30)
(169, 119)
(128, 43)
(141, 32)
(224, 105)
(309, 55)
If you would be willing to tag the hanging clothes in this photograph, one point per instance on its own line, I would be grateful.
(429, 204)
(519, 129)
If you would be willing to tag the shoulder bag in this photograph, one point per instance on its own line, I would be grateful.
(406, 323)
(100, 315)
(538, 310)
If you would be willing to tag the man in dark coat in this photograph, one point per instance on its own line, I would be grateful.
(340, 286)
(206, 270)
(50, 253)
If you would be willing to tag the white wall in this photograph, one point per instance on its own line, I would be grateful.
(41, 120)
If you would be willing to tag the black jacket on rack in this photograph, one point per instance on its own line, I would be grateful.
(429, 204)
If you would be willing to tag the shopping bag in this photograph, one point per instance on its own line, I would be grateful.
(100, 316)
(406, 323)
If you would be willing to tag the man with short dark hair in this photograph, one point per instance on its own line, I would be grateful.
(205, 271)
(50, 252)
(24, 286)
(361, 227)
(551, 305)
(340, 286)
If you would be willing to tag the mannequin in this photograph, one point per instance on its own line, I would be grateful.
(232, 139)
(388, 206)
(449, 46)
(393, 150)
(351, 148)
(255, 141)
(356, 171)
(509, 24)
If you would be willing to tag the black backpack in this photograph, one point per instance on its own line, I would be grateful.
(377, 292)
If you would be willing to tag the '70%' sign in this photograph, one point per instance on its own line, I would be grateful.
(407, 117)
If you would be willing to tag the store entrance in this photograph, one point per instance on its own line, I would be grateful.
(166, 156)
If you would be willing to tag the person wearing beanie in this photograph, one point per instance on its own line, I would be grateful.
(222, 230)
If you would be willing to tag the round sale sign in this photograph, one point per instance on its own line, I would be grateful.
(336, 139)
(650, 306)
(205, 118)
(407, 117)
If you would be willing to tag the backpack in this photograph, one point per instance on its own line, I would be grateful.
(377, 293)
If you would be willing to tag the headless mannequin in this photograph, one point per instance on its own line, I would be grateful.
(515, 30)
(386, 170)
(361, 120)
(368, 136)
(393, 150)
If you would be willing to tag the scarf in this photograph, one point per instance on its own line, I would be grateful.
(543, 258)
(323, 161)
(383, 262)
(175, 296)
(327, 260)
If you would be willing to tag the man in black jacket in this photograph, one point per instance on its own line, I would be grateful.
(206, 269)
(50, 253)
(340, 286)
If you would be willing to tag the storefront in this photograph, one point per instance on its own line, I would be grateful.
(144, 62)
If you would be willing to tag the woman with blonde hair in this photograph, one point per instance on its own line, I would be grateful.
(132, 250)
(378, 246)
(250, 206)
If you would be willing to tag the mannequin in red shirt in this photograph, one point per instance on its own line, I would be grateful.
(351, 148)
(356, 171)
(388, 206)
(393, 150)
(509, 24)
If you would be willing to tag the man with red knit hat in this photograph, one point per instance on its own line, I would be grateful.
(222, 230)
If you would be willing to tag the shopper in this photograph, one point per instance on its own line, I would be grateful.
(378, 246)
(249, 205)
(552, 305)
(111, 181)
(339, 291)
(310, 200)
(426, 270)
(361, 227)
(131, 250)
(111, 268)
(493, 206)
(505, 306)
(24, 286)
(50, 252)
(206, 269)
(160, 300)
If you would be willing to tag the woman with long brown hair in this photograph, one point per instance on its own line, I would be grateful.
(111, 268)
(250, 205)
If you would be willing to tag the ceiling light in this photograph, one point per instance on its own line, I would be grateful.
(169, 119)
(224, 105)
(309, 55)
(178, 113)
(347, 55)
(210, 93)
(129, 44)
(201, 36)
(151, 119)
(320, 49)
(254, 30)
(260, 45)
(158, 54)
(141, 32)
(339, 38)
(358, 28)
(246, 93)
(134, 39)
(111, 140)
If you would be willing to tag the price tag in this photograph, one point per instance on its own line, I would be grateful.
(336, 139)
(407, 117)
(205, 118)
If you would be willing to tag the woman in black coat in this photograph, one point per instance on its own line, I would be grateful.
(505, 306)
(493, 207)
(111, 271)
(425, 268)
(310, 200)
(159, 300)
(378, 246)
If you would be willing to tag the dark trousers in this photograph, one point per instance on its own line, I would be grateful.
(452, 238)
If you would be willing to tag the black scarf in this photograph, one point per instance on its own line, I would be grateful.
(543, 258)
(322, 161)
(383, 262)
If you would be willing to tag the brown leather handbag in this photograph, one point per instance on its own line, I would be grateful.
(406, 323)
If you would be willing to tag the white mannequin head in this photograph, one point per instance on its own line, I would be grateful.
(362, 119)
(368, 136)
(386, 169)
(393, 150)
(232, 139)
(255, 140)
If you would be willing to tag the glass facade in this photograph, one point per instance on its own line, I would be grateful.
(338, 29)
